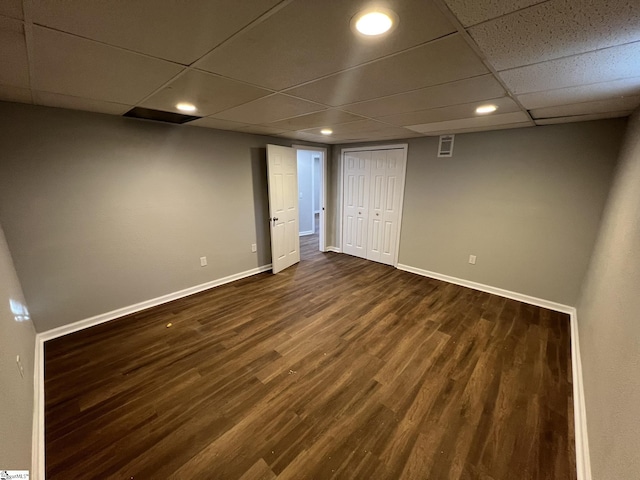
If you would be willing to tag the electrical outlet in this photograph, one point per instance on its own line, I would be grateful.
(472, 259)
(203, 261)
(254, 248)
(20, 367)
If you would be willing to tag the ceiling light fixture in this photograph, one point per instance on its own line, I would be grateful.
(484, 109)
(326, 131)
(186, 107)
(374, 22)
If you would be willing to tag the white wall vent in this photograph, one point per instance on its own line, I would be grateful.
(445, 147)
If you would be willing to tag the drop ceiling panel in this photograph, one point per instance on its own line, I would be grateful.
(13, 54)
(461, 91)
(582, 118)
(318, 119)
(180, 31)
(610, 64)
(209, 122)
(575, 26)
(481, 129)
(583, 93)
(362, 128)
(11, 8)
(74, 66)
(308, 137)
(467, 110)
(262, 130)
(76, 103)
(486, 121)
(209, 92)
(470, 13)
(599, 106)
(441, 61)
(15, 94)
(276, 53)
(269, 109)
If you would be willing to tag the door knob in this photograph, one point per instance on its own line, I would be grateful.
(377, 214)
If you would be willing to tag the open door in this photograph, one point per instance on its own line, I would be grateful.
(282, 170)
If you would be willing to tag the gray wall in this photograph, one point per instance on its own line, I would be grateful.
(102, 212)
(526, 202)
(305, 192)
(317, 181)
(17, 337)
(609, 325)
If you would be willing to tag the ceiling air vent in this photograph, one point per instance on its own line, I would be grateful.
(445, 147)
(159, 115)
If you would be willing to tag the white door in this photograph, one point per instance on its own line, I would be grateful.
(394, 180)
(356, 203)
(282, 169)
(377, 203)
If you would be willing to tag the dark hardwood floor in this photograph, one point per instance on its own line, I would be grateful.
(335, 368)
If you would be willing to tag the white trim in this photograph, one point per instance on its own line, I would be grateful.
(121, 312)
(334, 249)
(37, 434)
(520, 297)
(322, 243)
(308, 232)
(583, 460)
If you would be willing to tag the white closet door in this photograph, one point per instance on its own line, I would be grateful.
(356, 203)
(377, 204)
(393, 196)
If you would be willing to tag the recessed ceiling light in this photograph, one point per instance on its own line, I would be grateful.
(374, 22)
(186, 107)
(326, 131)
(483, 109)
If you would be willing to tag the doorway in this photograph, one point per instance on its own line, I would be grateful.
(311, 198)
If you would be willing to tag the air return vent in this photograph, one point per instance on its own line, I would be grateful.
(159, 115)
(445, 147)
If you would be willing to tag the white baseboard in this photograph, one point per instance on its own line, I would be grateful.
(308, 232)
(334, 249)
(520, 297)
(583, 460)
(37, 433)
(121, 312)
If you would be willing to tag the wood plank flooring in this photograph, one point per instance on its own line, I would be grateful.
(336, 368)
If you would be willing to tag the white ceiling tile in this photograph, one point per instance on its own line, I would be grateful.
(209, 93)
(599, 106)
(454, 93)
(480, 129)
(15, 94)
(610, 64)
(77, 103)
(310, 38)
(470, 13)
(467, 110)
(180, 31)
(325, 118)
(362, 128)
(583, 118)
(269, 109)
(582, 93)
(209, 122)
(74, 66)
(13, 54)
(555, 29)
(308, 137)
(441, 61)
(11, 8)
(485, 121)
(262, 130)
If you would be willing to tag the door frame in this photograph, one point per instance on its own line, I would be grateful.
(365, 148)
(322, 234)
